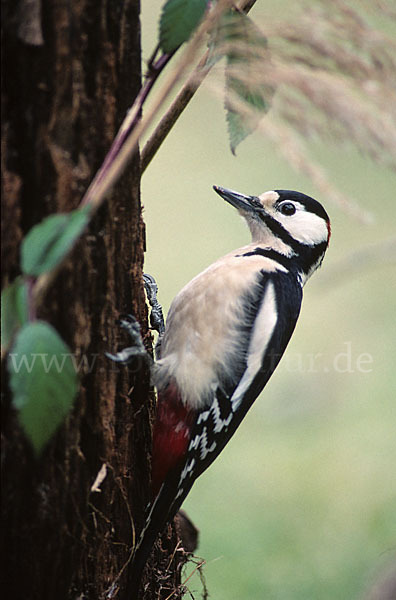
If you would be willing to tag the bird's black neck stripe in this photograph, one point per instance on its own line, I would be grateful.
(305, 258)
(280, 232)
(272, 254)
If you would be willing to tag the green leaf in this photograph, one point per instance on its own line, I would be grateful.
(14, 310)
(48, 242)
(179, 18)
(43, 381)
(240, 125)
(247, 96)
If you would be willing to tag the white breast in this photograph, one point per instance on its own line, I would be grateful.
(202, 338)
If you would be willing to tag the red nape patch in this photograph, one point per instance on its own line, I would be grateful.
(171, 435)
(329, 232)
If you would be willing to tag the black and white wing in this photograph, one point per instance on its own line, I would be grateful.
(273, 318)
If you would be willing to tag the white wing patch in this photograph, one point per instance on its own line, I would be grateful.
(202, 417)
(187, 469)
(200, 441)
(263, 329)
(212, 420)
(219, 423)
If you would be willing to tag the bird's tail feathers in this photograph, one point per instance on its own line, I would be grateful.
(161, 512)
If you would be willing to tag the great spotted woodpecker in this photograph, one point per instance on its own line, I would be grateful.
(225, 334)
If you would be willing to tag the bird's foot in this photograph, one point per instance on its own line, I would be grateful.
(137, 350)
(156, 318)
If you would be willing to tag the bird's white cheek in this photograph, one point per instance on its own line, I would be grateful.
(305, 227)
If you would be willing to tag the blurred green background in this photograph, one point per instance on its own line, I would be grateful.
(302, 503)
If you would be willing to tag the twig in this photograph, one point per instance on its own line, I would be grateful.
(179, 104)
(133, 126)
(45, 281)
(102, 182)
(203, 562)
(173, 113)
(113, 588)
(178, 545)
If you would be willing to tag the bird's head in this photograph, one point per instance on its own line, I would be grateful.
(288, 222)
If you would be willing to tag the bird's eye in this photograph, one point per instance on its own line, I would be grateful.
(287, 208)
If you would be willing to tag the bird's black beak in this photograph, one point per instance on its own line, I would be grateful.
(239, 201)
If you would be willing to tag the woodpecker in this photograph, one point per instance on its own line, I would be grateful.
(225, 333)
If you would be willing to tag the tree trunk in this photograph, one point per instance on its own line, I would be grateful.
(71, 69)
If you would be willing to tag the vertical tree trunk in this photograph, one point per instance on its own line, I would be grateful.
(71, 69)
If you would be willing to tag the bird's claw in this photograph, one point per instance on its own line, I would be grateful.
(156, 318)
(137, 350)
(151, 287)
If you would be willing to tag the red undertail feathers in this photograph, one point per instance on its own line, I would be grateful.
(171, 435)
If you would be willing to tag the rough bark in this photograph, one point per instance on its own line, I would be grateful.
(71, 68)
